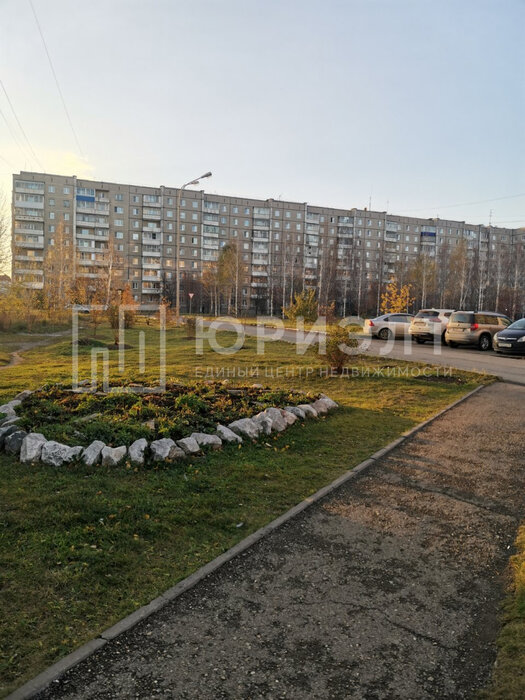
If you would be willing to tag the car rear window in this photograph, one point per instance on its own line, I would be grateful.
(427, 314)
(518, 325)
(461, 317)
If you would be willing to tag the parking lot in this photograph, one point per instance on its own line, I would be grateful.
(510, 369)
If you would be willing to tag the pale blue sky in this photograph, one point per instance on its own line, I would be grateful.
(417, 104)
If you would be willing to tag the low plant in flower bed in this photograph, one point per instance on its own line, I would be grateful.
(121, 418)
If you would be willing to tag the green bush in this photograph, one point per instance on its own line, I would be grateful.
(337, 355)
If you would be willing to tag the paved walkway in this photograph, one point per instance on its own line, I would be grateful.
(389, 588)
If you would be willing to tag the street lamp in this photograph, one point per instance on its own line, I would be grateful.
(177, 256)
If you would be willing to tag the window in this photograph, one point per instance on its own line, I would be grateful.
(51, 229)
(195, 204)
(118, 222)
(67, 190)
(66, 203)
(51, 214)
(135, 199)
(169, 214)
(119, 198)
(51, 189)
(119, 210)
(51, 202)
(135, 236)
(66, 217)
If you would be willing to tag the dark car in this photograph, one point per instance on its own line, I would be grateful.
(511, 340)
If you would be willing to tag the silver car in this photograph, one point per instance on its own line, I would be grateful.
(388, 326)
(430, 324)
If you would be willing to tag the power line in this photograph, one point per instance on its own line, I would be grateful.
(37, 161)
(13, 135)
(467, 204)
(56, 80)
(9, 164)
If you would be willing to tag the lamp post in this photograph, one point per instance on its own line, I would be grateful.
(177, 256)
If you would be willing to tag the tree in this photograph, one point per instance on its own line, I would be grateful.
(396, 299)
(229, 271)
(58, 272)
(4, 235)
(304, 305)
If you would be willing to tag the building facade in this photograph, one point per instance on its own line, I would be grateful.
(281, 247)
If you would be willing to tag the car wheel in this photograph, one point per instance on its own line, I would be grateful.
(443, 339)
(485, 342)
(420, 341)
(452, 344)
(384, 334)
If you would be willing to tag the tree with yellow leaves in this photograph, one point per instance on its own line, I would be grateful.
(396, 299)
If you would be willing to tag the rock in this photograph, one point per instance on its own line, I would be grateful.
(10, 406)
(54, 453)
(206, 440)
(308, 410)
(73, 454)
(137, 451)
(149, 424)
(227, 435)
(5, 431)
(10, 421)
(278, 422)
(165, 448)
(91, 453)
(321, 406)
(32, 448)
(246, 427)
(264, 421)
(289, 417)
(111, 456)
(257, 386)
(296, 411)
(13, 442)
(24, 394)
(332, 405)
(189, 445)
(7, 410)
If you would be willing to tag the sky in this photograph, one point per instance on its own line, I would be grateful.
(416, 107)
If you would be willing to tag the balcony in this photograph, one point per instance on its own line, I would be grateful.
(148, 290)
(27, 217)
(29, 258)
(152, 216)
(29, 230)
(36, 188)
(151, 229)
(33, 285)
(151, 278)
(259, 285)
(29, 205)
(28, 271)
(29, 244)
(259, 273)
(261, 223)
(151, 266)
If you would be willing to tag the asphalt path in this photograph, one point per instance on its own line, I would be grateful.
(509, 369)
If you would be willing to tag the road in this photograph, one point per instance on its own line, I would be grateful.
(509, 369)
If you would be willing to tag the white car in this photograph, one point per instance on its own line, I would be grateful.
(388, 326)
(430, 324)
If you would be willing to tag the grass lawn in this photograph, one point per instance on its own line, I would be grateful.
(82, 547)
(508, 677)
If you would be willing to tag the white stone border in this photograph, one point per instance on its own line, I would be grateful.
(34, 447)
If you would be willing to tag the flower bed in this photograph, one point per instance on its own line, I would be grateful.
(56, 424)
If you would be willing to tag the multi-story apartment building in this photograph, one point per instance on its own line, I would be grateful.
(282, 247)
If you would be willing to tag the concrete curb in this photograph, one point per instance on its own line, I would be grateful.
(40, 682)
